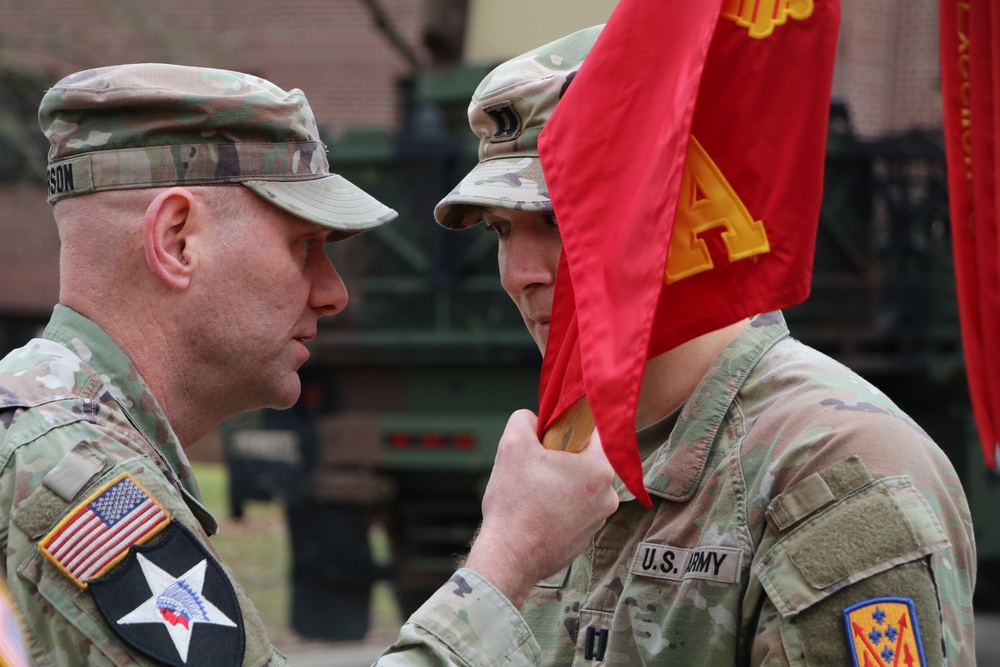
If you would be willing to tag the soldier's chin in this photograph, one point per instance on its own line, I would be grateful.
(542, 341)
(287, 396)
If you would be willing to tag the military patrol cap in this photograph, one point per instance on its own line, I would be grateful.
(155, 125)
(508, 111)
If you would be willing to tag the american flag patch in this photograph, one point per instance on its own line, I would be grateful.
(97, 533)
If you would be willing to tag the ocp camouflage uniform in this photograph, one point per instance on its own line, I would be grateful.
(788, 490)
(75, 414)
(794, 506)
(785, 491)
(103, 528)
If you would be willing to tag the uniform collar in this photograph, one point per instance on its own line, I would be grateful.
(126, 387)
(674, 471)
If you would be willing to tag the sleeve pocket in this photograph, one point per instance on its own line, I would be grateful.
(75, 607)
(883, 525)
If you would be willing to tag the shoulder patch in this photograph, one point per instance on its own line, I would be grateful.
(883, 632)
(97, 534)
(172, 601)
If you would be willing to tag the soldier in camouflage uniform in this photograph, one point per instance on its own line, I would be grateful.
(799, 517)
(193, 207)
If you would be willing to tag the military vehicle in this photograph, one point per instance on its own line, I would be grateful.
(408, 391)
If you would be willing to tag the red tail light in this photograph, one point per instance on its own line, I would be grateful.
(400, 440)
(432, 440)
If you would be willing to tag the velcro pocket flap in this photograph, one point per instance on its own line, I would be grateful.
(39, 511)
(817, 491)
(883, 525)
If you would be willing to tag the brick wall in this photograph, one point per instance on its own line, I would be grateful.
(329, 48)
(887, 65)
(29, 259)
(887, 72)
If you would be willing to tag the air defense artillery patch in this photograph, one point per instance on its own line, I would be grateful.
(883, 632)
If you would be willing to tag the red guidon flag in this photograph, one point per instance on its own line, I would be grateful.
(685, 166)
(970, 84)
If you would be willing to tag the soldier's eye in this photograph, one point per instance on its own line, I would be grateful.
(497, 228)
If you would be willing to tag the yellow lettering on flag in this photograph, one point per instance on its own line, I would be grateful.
(763, 16)
(708, 201)
(884, 633)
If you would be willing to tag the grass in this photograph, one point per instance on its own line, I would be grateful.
(258, 550)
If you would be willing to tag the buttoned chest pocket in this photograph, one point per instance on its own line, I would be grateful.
(683, 602)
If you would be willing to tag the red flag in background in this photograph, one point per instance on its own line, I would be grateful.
(715, 111)
(970, 82)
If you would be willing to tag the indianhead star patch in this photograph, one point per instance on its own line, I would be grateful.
(98, 532)
(883, 632)
(172, 601)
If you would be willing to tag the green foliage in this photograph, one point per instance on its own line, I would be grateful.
(213, 480)
(255, 547)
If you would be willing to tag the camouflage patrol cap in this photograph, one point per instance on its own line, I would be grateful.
(508, 111)
(155, 125)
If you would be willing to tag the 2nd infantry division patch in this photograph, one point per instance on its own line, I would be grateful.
(883, 632)
(172, 601)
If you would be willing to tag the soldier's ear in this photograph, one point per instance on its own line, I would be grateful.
(167, 229)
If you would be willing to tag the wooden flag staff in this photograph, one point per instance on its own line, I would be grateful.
(570, 432)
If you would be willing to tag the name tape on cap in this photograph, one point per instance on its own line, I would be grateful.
(69, 177)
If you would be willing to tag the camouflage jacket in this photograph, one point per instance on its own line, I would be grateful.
(799, 518)
(466, 622)
(102, 525)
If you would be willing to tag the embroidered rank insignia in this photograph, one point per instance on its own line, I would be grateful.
(883, 632)
(507, 119)
(98, 532)
(171, 600)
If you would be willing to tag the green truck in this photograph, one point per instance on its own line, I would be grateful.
(407, 391)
